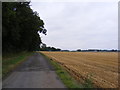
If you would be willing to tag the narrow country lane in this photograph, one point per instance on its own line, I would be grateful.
(36, 72)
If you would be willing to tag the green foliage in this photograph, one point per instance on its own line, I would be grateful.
(88, 82)
(50, 49)
(65, 77)
(69, 82)
(45, 48)
(10, 61)
(20, 27)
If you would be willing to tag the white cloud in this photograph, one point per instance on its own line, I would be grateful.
(79, 25)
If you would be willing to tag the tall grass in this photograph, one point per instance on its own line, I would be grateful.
(11, 61)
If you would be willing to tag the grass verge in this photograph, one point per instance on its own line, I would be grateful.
(11, 61)
(68, 80)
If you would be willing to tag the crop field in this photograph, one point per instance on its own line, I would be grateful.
(100, 67)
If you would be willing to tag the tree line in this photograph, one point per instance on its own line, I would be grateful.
(44, 47)
(97, 50)
(20, 27)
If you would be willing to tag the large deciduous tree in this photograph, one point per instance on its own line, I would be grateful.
(20, 27)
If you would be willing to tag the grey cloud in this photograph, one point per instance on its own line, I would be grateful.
(79, 25)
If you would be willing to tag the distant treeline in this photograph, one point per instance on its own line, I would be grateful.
(89, 50)
(20, 27)
(50, 49)
(97, 50)
(44, 47)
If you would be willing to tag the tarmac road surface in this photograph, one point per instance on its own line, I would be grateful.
(36, 72)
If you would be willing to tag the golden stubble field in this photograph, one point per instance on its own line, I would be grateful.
(101, 67)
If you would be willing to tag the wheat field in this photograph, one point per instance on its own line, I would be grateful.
(100, 67)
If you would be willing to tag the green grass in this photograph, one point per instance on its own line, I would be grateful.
(88, 82)
(67, 79)
(11, 61)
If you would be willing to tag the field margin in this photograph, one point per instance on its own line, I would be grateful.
(66, 77)
(17, 60)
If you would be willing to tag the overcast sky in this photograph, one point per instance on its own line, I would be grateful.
(74, 25)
